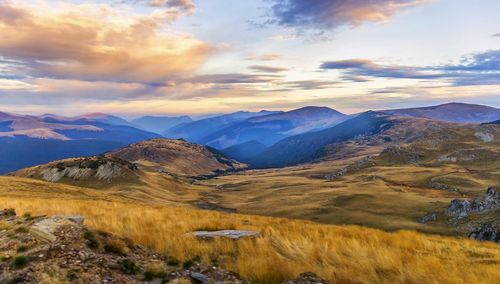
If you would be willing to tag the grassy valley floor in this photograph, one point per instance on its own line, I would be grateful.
(285, 248)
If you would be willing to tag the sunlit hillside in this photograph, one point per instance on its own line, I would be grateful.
(284, 248)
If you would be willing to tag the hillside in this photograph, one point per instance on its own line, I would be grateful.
(269, 129)
(159, 124)
(453, 112)
(244, 151)
(94, 172)
(414, 167)
(32, 140)
(196, 131)
(283, 250)
(177, 157)
(19, 152)
(309, 146)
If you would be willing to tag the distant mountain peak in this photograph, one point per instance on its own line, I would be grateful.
(452, 112)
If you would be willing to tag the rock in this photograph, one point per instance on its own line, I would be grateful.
(486, 232)
(356, 166)
(7, 212)
(429, 217)
(307, 278)
(460, 209)
(75, 219)
(199, 278)
(231, 234)
(45, 229)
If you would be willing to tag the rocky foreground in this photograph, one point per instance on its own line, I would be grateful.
(469, 212)
(61, 249)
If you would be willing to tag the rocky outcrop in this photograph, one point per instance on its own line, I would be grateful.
(360, 164)
(230, 234)
(61, 249)
(433, 216)
(400, 155)
(459, 209)
(97, 169)
(307, 278)
(486, 232)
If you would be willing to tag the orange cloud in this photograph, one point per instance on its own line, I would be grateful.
(73, 45)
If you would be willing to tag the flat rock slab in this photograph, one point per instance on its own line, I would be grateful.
(45, 228)
(230, 234)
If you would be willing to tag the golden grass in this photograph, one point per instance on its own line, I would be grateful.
(343, 254)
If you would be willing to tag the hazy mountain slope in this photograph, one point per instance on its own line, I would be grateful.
(30, 140)
(159, 124)
(21, 152)
(196, 131)
(178, 157)
(306, 147)
(52, 127)
(493, 122)
(243, 152)
(119, 133)
(272, 128)
(453, 112)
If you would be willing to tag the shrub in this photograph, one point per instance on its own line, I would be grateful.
(22, 248)
(92, 242)
(154, 271)
(20, 261)
(116, 247)
(128, 266)
(172, 261)
(22, 230)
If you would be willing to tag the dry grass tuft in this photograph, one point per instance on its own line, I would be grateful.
(343, 254)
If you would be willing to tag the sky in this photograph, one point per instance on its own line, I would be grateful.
(167, 57)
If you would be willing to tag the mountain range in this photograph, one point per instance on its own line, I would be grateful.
(262, 139)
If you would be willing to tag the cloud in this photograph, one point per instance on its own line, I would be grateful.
(173, 8)
(309, 84)
(266, 57)
(326, 15)
(475, 69)
(104, 47)
(268, 69)
(365, 67)
(496, 35)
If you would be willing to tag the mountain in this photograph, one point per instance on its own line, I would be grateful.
(196, 131)
(30, 140)
(453, 112)
(177, 157)
(159, 124)
(493, 122)
(309, 146)
(244, 151)
(95, 117)
(21, 152)
(272, 128)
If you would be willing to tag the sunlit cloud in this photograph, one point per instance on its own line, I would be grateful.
(476, 69)
(268, 69)
(326, 15)
(71, 45)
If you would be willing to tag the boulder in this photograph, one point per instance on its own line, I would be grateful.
(199, 278)
(307, 278)
(9, 212)
(460, 209)
(230, 234)
(429, 217)
(486, 232)
(45, 229)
